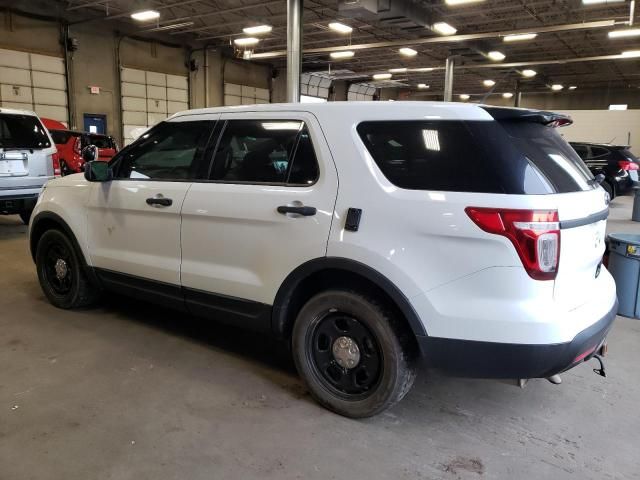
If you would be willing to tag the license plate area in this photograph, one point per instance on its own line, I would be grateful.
(12, 168)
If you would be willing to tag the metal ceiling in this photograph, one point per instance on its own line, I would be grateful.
(218, 22)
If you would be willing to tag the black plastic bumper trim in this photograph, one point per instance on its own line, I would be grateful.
(468, 358)
(588, 220)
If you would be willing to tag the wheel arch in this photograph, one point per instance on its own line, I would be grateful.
(321, 273)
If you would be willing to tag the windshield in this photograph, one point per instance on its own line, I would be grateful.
(22, 131)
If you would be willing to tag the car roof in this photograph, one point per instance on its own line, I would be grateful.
(15, 111)
(364, 109)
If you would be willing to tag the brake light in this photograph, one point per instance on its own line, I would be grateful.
(628, 165)
(76, 146)
(55, 161)
(534, 233)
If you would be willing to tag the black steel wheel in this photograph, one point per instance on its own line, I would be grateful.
(60, 272)
(354, 354)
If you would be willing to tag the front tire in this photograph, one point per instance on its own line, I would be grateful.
(353, 353)
(60, 272)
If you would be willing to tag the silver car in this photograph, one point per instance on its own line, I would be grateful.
(28, 159)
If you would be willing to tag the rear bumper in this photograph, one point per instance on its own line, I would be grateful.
(16, 203)
(508, 360)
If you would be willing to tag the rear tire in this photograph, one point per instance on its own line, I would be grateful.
(353, 353)
(61, 274)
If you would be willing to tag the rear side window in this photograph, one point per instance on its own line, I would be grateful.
(60, 137)
(427, 155)
(582, 151)
(265, 151)
(101, 141)
(22, 131)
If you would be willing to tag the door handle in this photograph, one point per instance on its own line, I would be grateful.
(304, 211)
(159, 201)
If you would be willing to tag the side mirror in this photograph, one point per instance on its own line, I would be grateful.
(97, 172)
(90, 153)
(600, 178)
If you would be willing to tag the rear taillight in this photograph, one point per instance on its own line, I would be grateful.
(534, 233)
(77, 148)
(628, 165)
(55, 161)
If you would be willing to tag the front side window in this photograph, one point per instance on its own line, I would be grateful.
(22, 131)
(265, 151)
(167, 152)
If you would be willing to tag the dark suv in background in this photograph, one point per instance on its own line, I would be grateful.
(616, 162)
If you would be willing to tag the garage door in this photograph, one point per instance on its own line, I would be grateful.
(150, 97)
(31, 81)
(235, 94)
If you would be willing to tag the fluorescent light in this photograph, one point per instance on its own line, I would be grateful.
(519, 37)
(595, 2)
(408, 52)
(630, 32)
(422, 69)
(496, 56)
(431, 140)
(618, 107)
(169, 27)
(630, 54)
(443, 28)
(572, 87)
(507, 95)
(257, 30)
(423, 86)
(145, 15)
(556, 87)
(461, 2)
(529, 73)
(464, 96)
(381, 76)
(488, 83)
(342, 54)
(246, 41)
(397, 70)
(340, 27)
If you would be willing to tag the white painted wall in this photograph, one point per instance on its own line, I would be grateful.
(604, 126)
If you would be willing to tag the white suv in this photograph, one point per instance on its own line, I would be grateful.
(28, 160)
(366, 234)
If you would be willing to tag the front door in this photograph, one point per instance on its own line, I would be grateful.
(265, 209)
(134, 220)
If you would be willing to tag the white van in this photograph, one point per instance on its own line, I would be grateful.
(365, 234)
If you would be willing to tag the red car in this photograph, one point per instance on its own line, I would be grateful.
(70, 144)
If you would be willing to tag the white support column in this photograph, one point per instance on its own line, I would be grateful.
(294, 49)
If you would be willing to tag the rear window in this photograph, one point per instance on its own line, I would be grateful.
(512, 157)
(61, 137)
(22, 131)
(101, 141)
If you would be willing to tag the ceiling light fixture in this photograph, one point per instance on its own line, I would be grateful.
(556, 87)
(488, 83)
(630, 54)
(422, 69)
(246, 41)
(519, 37)
(595, 2)
(408, 52)
(257, 30)
(529, 73)
(423, 86)
(572, 87)
(507, 95)
(145, 15)
(340, 27)
(630, 32)
(172, 26)
(464, 96)
(381, 76)
(443, 28)
(496, 56)
(398, 70)
(461, 2)
(342, 54)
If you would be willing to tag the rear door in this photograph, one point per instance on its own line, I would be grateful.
(265, 208)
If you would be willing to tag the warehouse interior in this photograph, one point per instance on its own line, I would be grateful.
(130, 389)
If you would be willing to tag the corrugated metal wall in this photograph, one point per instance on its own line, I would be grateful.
(150, 97)
(31, 81)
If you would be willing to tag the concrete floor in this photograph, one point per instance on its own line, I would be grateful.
(128, 391)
